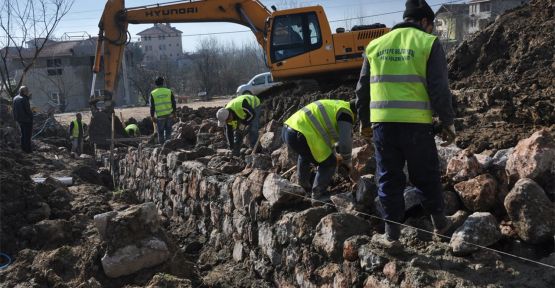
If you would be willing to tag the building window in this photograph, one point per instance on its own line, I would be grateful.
(54, 66)
(54, 98)
(485, 7)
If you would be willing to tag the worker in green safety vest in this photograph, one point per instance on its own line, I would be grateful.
(132, 130)
(76, 134)
(162, 110)
(241, 110)
(403, 81)
(321, 133)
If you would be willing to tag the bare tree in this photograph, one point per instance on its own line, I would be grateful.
(26, 21)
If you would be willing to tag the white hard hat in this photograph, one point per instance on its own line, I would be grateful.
(222, 116)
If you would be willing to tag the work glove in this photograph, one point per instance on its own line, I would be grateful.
(448, 135)
(366, 133)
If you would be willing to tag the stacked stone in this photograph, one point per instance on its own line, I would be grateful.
(261, 219)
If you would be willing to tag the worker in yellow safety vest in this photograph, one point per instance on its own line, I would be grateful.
(162, 110)
(402, 82)
(245, 110)
(132, 130)
(76, 134)
(321, 133)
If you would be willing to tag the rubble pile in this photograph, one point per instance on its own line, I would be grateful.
(504, 78)
(48, 229)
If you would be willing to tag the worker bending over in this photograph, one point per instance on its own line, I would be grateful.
(403, 80)
(132, 130)
(76, 134)
(321, 133)
(244, 109)
(162, 110)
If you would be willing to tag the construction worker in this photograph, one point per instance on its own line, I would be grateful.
(76, 134)
(403, 80)
(24, 116)
(132, 130)
(321, 133)
(162, 110)
(244, 109)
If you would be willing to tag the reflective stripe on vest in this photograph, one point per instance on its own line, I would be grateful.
(236, 105)
(75, 129)
(318, 123)
(398, 87)
(162, 101)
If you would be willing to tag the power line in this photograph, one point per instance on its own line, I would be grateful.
(330, 21)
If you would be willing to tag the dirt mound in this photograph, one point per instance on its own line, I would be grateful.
(504, 78)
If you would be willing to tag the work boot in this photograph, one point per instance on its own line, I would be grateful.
(443, 226)
(319, 198)
(391, 246)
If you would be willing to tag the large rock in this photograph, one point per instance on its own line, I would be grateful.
(305, 222)
(531, 212)
(344, 202)
(362, 157)
(227, 165)
(246, 190)
(270, 141)
(534, 158)
(87, 174)
(479, 193)
(366, 192)
(334, 229)
(480, 228)
(280, 191)
(283, 158)
(463, 166)
(445, 154)
(132, 258)
(127, 227)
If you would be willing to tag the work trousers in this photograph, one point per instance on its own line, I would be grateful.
(252, 131)
(164, 126)
(26, 134)
(326, 169)
(413, 144)
(77, 145)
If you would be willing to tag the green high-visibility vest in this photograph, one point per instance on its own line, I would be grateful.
(162, 101)
(317, 122)
(132, 129)
(75, 129)
(236, 105)
(398, 64)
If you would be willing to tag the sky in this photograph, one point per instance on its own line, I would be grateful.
(84, 16)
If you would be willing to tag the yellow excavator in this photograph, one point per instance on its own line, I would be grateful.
(298, 43)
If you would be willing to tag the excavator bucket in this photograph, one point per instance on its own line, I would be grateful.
(100, 131)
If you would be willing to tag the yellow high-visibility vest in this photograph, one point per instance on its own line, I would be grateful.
(317, 122)
(162, 101)
(398, 65)
(236, 105)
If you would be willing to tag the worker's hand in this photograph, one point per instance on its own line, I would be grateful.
(153, 119)
(174, 117)
(366, 133)
(448, 135)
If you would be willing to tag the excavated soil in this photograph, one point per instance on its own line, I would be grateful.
(504, 78)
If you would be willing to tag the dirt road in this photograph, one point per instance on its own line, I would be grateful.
(137, 112)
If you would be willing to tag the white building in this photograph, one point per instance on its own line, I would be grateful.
(481, 12)
(161, 42)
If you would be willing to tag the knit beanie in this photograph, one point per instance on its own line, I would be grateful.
(418, 9)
